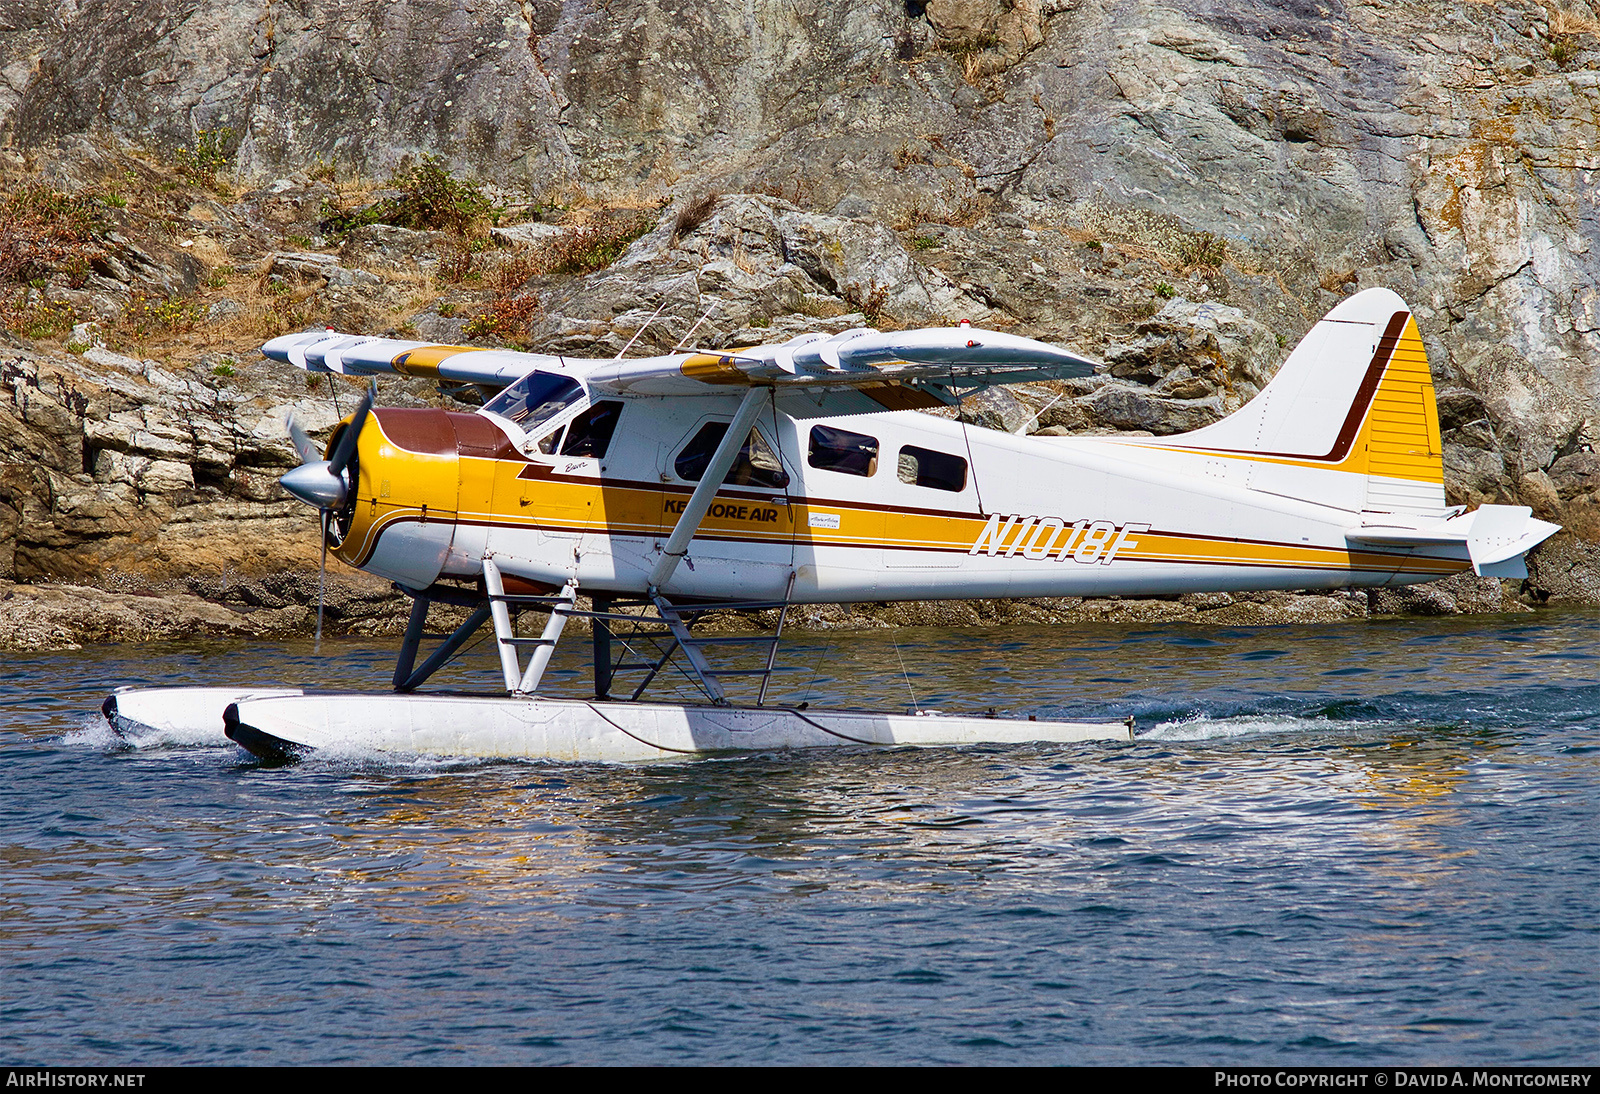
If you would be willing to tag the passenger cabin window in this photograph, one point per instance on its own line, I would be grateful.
(535, 399)
(843, 451)
(757, 464)
(939, 470)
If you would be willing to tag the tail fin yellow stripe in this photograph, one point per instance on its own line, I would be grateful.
(1400, 437)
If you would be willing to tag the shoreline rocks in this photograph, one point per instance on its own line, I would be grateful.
(43, 617)
(1179, 190)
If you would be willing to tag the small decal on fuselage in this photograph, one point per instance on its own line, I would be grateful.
(1037, 538)
(823, 520)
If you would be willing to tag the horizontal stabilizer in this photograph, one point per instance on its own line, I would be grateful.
(1495, 536)
(1502, 534)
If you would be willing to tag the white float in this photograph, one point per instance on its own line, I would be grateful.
(589, 730)
(282, 723)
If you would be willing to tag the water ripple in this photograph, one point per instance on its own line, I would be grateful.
(1292, 863)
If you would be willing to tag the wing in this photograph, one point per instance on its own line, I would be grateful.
(356, 355)
(858, 371)
(954, 357)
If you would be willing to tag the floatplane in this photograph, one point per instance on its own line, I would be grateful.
(665, 489)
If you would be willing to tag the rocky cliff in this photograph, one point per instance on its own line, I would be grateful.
(1180, 189)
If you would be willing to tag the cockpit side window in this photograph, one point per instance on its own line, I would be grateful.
(590, 432)
(535, 399)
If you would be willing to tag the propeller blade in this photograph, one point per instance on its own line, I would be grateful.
(322, 583)
(346, 448)
(303, 444)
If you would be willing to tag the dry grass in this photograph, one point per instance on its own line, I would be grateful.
(1566, 23)
(694, 214)
(1204, 250)
(1335, 280)
(1155, 237)
(954, 206)
(798, 192)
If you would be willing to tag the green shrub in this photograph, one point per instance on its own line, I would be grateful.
(596, 244)
(508, 319)
(1206, 249)
(430, 199)
(210, 154)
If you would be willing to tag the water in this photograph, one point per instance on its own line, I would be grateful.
(1357, 844)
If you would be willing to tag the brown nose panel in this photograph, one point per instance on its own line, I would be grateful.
(424, 431)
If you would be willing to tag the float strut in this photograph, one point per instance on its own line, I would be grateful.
(503, 631)
(446, 651)
(602, 649)
(408, 646)
(544, 646)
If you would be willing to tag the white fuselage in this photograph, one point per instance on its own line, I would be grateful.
(1080, 516)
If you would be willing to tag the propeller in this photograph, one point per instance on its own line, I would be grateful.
(323, 483)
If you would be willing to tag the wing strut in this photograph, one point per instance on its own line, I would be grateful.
(705, 493)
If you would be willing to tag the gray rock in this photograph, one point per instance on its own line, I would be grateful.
(1564, 570)
(525, 235)
(386, 248)
(752, 258)
(1124, 407)
(1196, 349)
(223, 310)
(101, 356)
(996, 408)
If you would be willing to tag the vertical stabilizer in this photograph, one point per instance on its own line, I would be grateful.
(1355, 397)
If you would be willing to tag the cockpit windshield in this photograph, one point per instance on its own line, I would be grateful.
(535, 399)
